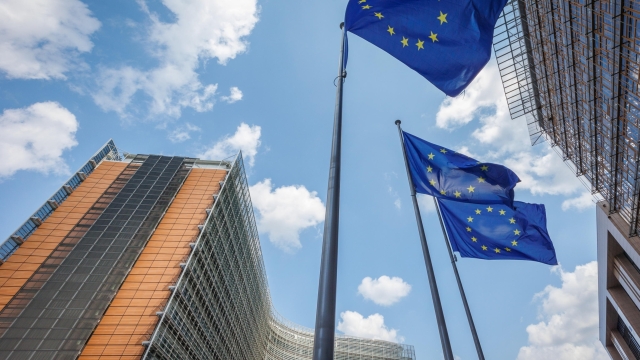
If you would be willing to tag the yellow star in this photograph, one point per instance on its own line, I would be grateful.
(431, 156)
(516, 231)
(457, 193)
(471, 188)
(484, 248)
(432, 182)
(473, 238)
(507, 249)
(433, 37)
(444, 151)
(420, 44)
(514, 243)
(468, 229)
(429, 169)
(362, 1)
(490, 209)
(502, 212)
(481, 179)
(470, 219)
(484, 168)
(497, 250)
(443, 192)
(478, 211)
(379, 15)
(442, 17)
(366, 7)
(404, 41)
(390, 29)
(512, 221)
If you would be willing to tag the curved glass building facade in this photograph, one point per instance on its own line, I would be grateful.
(149, 257)
(220, 308)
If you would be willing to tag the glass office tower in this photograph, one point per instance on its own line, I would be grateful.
(154, 257)
(570, 68)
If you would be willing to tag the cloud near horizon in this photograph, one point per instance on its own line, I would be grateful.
(568, 328)
(370, 327)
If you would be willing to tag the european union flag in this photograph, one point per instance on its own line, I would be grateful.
(447, 42)
(446, 174)
(498, 232)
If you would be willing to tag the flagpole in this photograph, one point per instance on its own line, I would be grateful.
(435, 295)
(324, 335)
(474, 333)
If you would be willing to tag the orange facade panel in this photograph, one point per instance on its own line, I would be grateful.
(131, 316)
(20, 266)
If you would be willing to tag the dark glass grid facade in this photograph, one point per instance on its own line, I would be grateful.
(210, 298)
(571, 69)
(54, 314)
(108, 152)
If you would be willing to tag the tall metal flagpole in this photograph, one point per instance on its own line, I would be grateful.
(476, 340)
(323, 344)
(435, 295)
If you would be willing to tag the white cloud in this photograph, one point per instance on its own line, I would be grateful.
(569, 326)
(245, 139)
(183, 133)
(384, 290)
(285, 212)
(202, 30)
(484, 99)
(371, 327)
(580, 203)
(482, 94)
(234, 95)
(391, 177)
(41, 39)
(543, 173)
(502, 133)
(34, 138)
(394, 194)
(426, 203)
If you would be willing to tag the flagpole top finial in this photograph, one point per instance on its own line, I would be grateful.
(398, 122)
(341, 25)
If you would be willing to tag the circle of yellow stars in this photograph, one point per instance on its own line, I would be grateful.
(470, 190)
(457, 194)
(405, 41)
(502, 212)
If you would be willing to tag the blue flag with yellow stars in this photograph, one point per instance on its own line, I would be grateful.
(498, 232)
(447, 42)
(446, 174)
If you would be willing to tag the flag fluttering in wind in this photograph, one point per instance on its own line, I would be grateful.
(446, 174)
(498, 232)
(447, 42)
(476, 202)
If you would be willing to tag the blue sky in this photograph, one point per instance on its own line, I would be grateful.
(211, 77)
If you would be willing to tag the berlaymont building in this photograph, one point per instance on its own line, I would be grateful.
(152, 257)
